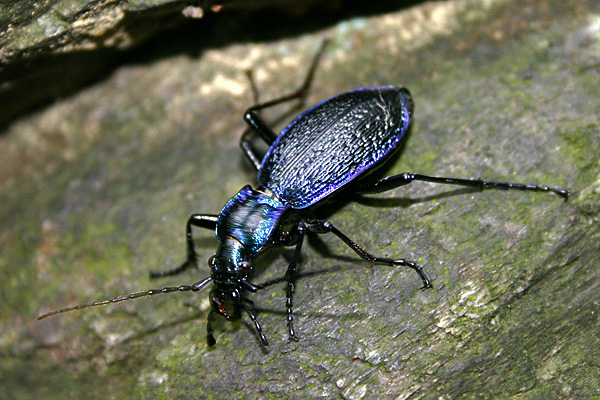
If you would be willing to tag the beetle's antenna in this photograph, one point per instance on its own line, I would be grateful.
(183, 288)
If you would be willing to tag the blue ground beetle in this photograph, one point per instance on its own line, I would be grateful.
(330, 148)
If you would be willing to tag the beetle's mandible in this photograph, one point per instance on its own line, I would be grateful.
(329, 148)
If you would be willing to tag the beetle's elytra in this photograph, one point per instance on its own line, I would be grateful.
(329, 148)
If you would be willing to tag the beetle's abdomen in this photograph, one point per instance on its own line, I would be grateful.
(334, 142)
(250, 217)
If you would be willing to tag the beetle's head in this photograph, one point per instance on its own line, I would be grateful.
(230, 261)
(226, 301)
(228, 269)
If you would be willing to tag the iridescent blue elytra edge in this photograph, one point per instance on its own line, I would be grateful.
(330, 148)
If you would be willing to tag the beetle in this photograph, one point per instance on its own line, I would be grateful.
(330, 148)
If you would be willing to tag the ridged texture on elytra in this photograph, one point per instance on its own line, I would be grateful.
(334, 142)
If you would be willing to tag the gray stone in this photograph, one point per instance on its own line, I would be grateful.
(96, 188)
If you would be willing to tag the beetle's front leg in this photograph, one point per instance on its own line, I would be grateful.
(326, 226)
(207, 221)
(210, 338)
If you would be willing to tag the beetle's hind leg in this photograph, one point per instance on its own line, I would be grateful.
(246, 136)
(326, 227)
(392, 182)
(258, 125)
(201, 221)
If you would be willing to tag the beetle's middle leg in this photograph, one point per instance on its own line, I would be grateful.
(291, 276)
(326, 226)
(207, 221)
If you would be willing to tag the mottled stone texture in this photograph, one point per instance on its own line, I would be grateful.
(96, 188)
(45, 43)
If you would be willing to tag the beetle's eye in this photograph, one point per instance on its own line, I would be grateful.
(245, 265)
(212, 261)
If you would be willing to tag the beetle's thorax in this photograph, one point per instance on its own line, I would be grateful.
(245, 227)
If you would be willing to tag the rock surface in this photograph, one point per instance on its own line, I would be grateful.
(96, 188)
